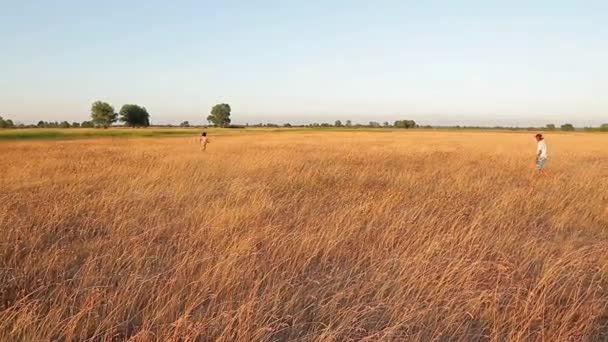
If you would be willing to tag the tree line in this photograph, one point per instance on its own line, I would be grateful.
(347, 123)
(412, 124)
(103, 115)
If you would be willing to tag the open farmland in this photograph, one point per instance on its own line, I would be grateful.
(305, 236)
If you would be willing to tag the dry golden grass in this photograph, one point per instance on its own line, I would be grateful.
(305, 236)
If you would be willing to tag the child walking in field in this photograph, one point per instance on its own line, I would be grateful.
(541, 154)
(203, 140)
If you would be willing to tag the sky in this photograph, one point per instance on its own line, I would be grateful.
(467, 62)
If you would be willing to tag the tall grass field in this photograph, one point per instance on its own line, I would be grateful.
(307, 236)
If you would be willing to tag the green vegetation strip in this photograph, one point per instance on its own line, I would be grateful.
(42, 133)
(68, 133)
(74, 133)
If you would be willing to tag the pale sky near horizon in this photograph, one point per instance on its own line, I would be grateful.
(445, 62)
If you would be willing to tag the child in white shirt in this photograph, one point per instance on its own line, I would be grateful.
(541, 154)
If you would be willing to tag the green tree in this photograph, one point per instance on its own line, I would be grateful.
(64, 124)
(185, 124)
(550, 127)
(287, 125)
(220, 115)
(8, 123)
(386, 124)
(374, 124)
(134, 116)
(405, 124)
(87, 124)
(567, 127)
(349, 123)
(338, 123)
(102, 114)
(75, 124)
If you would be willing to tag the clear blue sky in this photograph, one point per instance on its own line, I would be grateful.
(437, 62)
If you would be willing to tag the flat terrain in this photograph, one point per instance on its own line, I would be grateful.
(117, 132)
(334, 236)
(54, 133)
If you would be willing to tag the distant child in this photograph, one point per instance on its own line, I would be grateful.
(203, 140)
(541, 154)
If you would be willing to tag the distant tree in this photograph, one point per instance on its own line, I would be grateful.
(287, 125)
(8, 123)
(604, 127)
(374, 124)
(271, 125)
(567, 127)
(405, 124)
(338, 123)
(325, 124)
(75, 124)
(550, 127)
(41, 124)
(64, 124)
(102, 114)
(220, 115)
(386, 124)
(349, 123)
(184, 124)
(134, 116)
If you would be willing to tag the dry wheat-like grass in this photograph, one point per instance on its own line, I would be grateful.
(305, 236)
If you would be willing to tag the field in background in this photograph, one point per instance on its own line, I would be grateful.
(58, 133)
(319, 235)
(71, 133)
(51, 133)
